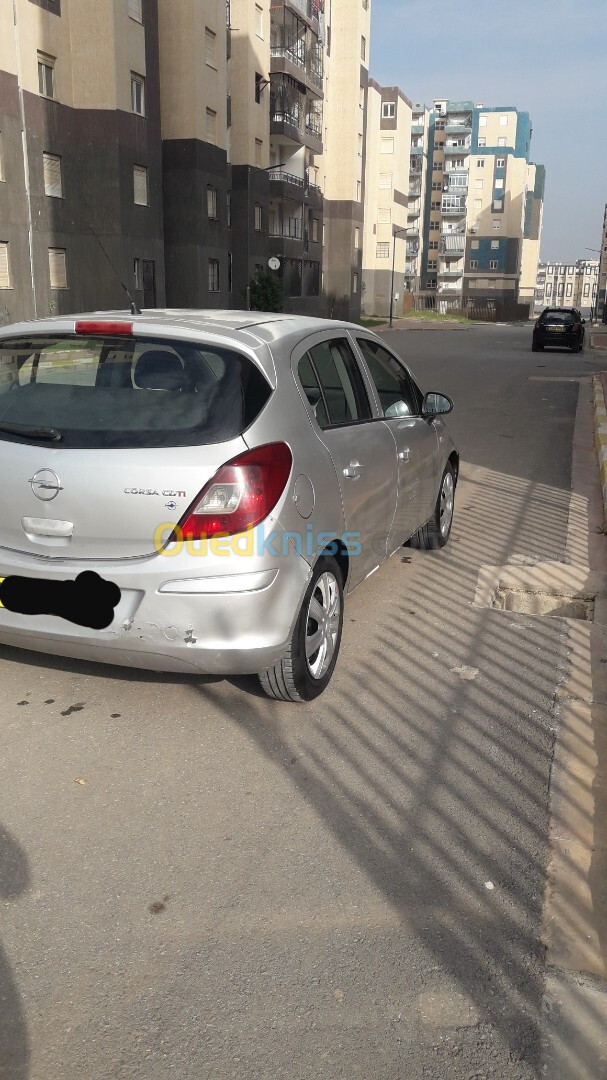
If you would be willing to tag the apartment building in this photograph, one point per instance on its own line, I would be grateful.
(483, 207)
(566, 285)
(417, 194)
(80, 156)
(601, 302)
(387, 203)
(344, 156)
(190, 138)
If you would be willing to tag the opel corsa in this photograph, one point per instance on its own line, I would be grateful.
(197, 491)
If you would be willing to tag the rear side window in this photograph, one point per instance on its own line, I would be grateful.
(330, 369)
(100, 393)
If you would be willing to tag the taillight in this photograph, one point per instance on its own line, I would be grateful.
(241, 494)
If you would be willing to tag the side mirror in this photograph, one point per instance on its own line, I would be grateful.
(435, 404)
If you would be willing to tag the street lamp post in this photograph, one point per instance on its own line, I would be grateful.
(395, 233)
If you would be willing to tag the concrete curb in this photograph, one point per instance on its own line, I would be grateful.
(600, 431)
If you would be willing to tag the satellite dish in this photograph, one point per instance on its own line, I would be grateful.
(274, 263)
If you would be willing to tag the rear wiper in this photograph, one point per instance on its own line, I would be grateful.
(30, 432)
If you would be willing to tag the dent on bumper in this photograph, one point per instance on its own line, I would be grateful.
(214, 633)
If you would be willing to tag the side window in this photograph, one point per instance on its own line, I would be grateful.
(397, 394)
(338, 376)
(307, 377)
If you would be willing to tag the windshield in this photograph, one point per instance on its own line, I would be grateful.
(558, 317)
(107, 392)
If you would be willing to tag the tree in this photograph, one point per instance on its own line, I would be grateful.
(266, 291)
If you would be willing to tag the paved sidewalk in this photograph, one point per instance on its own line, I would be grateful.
(598, 337)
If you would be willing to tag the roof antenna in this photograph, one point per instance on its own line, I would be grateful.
(135, 310)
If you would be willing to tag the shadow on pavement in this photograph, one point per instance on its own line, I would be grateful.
(14, 1041)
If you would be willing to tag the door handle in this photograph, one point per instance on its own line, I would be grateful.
(404, 455)
(353, 469)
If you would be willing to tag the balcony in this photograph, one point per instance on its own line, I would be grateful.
(452, 245)
(463, 147)
(306, 8)
(415, 189)
(458, 127)
(453, 207)
(450, 273)
(289, 229)
(417, 151)
(417, 129)
(286, 109)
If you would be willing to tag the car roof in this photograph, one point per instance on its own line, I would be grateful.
(568, 310)
(239, 326)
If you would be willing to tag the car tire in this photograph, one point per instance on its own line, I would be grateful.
(537, 348)
(436, 532)
(302, 674)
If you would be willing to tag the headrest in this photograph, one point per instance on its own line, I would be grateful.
(157, 370)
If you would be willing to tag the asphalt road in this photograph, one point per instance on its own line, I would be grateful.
(198, 882)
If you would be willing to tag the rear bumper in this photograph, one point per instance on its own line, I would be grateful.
(565, 341)
(241, 628)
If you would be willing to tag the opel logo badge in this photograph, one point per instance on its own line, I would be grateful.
(46, 485)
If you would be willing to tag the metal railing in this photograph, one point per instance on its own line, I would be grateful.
(289, 178)
(287, 116)
(296, 55)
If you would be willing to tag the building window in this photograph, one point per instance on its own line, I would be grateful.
(140, 185)
(480, 163)
(258, 217)
(482, 141)
(478, 204)
(435, 205)
(561, 288)
(498, 204)
(258, 152)
(360, 146)
(549, 288)
(439, 125)
(358, 191)
(357, 238)
(482, 120)
(137, 94)
(433, 245)
(434, 225)
(496, 224)
(212, 203)
(474, 264)
(138, 274)
(569, 288)
(493, 264)
(383, 251)
(210, 47)
(229, 209)
(363, 48)
(437, 166)
(230, 267)
(504, 120)
(214, 275)
(499, 184)
(259, 21)
(57, 268)
(46, 75)
(388, 110)
(500, 163)
(5, 277)
(432, 264)
(550, 269)
(258, 87)
(587, 290)
(474, 244)
(384, 215)
(501, 141)
(135, 10)
(211, 126)
(354, 283)
(53, 185)
(385, 180)
(495, 244)
(437, 185)
(479, 184)
(431, 283)
(387, 146)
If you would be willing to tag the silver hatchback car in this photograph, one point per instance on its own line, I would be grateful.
(196, 491)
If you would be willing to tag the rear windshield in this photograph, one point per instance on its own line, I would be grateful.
(107, 392)
(555, 317)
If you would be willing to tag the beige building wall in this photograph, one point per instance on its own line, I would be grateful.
(343, 162)
(388, 149)
(601, 306)
(250, 132)
(191, 83)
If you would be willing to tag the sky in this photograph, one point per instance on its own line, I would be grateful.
(547, 58)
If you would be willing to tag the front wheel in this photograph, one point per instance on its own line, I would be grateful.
(435, 533)
(306, 668)
(536, 348)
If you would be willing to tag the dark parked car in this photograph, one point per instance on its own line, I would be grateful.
(559, 326)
